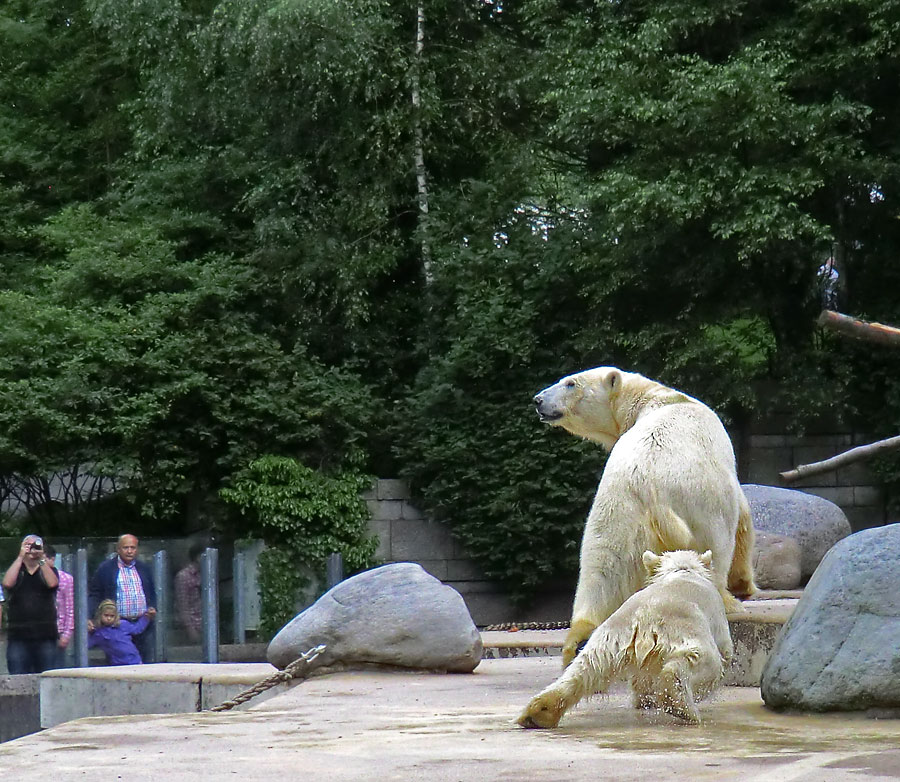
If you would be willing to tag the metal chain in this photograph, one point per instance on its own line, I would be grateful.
(296, 670)
(513, 626)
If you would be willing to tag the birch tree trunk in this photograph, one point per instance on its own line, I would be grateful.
(419, 152)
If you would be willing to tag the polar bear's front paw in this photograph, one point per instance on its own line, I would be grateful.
(544, 711)
(686, 711)
(578, 634)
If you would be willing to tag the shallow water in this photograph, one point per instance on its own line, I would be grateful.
(745, 728)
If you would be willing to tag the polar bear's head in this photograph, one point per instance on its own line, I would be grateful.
(682, 561)
(585, 404)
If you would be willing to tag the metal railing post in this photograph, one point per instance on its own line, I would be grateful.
(334, 570)
(238, 580)
(209, 588)
(161, 581)
(80, 636)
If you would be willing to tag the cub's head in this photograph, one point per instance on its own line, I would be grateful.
(661, 565)
(584, 404)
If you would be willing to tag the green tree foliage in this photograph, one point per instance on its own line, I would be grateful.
(723, 155)
(157, 371)
(210, 244)
(303, 515)
(60, 129)
(707, 158)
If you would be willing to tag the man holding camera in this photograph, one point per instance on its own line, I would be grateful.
(30, 585)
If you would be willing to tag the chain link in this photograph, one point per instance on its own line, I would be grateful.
(529, 626)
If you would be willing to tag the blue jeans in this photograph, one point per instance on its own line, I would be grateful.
(30, 656)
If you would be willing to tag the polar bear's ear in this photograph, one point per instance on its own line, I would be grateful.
(613, 380)
(706, 558)
(651, 561)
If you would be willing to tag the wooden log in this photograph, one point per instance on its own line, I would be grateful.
(842, 459)
(859, 329)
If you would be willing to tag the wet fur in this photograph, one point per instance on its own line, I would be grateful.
(670, 641)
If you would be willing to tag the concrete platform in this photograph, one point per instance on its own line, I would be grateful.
(168, 688)
(373, 725)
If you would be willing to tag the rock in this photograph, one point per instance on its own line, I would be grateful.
(840, 650)
(393, 615)
(815, 523)
(776, 561)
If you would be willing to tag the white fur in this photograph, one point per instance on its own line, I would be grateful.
(670, 640)
(670, 483)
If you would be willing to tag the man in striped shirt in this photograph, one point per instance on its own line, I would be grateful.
(129, 582)
(65, 607)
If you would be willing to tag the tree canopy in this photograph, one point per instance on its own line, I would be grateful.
(212, 246)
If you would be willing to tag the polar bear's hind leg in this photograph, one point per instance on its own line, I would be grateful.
(740, 576)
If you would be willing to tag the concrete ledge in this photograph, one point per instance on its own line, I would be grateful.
(753, 641)
(20, 712)
(753, 632)
(165, 688)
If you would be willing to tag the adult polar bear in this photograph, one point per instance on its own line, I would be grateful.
(670, 483)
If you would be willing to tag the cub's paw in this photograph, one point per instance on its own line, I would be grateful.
(684, 711)
(544, 711)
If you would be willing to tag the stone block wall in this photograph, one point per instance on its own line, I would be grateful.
(763, 454)
(405, 535)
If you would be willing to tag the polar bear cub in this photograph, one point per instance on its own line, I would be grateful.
(670, 483)
(670, 640)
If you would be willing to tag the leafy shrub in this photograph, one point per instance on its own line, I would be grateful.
(303, 516)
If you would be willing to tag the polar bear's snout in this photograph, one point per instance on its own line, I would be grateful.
(546, 409)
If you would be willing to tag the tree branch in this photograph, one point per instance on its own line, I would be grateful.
(853, 455)
(859, 329)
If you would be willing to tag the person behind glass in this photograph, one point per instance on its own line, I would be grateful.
(30, 585)
(128, 582)
(115, 636)
(65, 607)
(188, 603)
(829, 284)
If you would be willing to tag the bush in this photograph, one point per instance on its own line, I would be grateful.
(303, 516)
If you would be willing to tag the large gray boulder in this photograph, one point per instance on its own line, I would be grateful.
(840, 650)
(776, 561)
(815, 523)
(396, 615)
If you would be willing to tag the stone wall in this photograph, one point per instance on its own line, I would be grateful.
(405, 535)
(764, 452)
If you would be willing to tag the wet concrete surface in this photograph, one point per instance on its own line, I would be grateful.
(377, 725)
